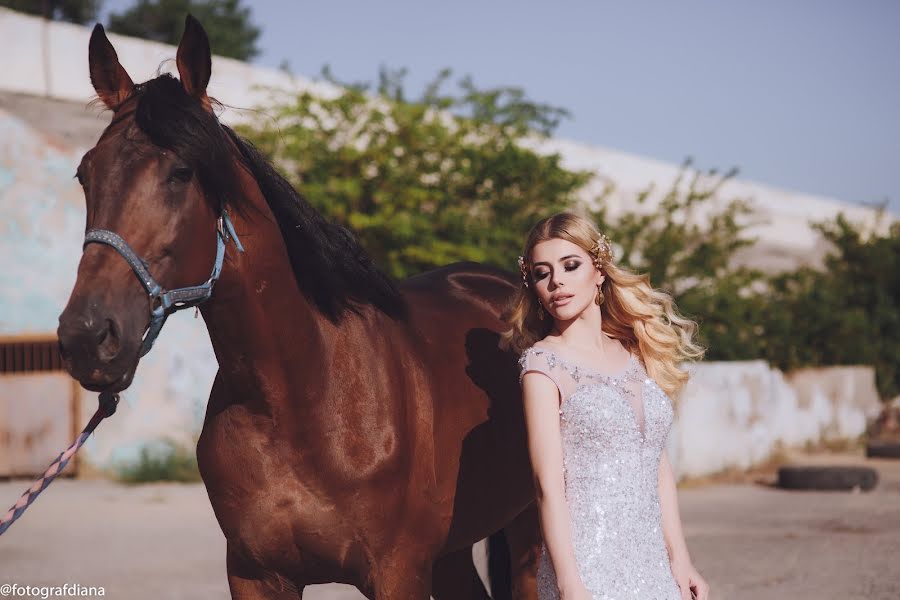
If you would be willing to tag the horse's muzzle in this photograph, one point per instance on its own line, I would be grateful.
(94, 352)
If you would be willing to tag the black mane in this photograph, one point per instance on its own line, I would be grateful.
(332, 268)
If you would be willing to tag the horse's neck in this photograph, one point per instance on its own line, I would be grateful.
(265, 333)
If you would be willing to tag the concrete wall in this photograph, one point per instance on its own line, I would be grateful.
(736, 414)
(49, 58)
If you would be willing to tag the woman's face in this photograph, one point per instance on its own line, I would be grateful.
(565, 278)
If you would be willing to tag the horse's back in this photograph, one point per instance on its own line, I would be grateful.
(467, 282)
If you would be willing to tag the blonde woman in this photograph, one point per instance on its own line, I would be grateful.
(599, 361)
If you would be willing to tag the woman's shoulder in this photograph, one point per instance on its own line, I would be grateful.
(537, 359)
(524, 354)
(540, 356)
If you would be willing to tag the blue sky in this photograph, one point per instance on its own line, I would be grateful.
(800, 94)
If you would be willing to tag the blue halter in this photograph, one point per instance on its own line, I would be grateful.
(162, 302)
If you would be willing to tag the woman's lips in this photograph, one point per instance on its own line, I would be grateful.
(562, 301)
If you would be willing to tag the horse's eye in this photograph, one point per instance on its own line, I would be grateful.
(182, 174)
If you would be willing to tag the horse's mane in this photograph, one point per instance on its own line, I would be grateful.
(332, 269)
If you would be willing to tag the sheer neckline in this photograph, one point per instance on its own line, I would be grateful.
(629, 364)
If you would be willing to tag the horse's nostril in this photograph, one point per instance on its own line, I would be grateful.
(108, 342)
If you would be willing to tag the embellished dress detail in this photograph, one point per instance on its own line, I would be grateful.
(613, 428)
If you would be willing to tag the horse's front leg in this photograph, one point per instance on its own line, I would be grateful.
(247, 582)
(404, 574)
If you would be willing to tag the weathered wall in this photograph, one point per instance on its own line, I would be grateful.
(43, 221)
(41, 233)
(736, 414)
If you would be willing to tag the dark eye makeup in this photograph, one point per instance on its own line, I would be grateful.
(570, 266)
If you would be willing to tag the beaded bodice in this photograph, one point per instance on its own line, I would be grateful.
(613, 428)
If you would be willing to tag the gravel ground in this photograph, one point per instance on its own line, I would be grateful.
(748, 539)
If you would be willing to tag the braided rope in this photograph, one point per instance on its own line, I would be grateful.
(107, 408)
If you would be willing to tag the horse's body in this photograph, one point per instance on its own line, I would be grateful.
(356, 431)
(371, 448)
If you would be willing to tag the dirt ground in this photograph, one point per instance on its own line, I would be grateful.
(748, 539)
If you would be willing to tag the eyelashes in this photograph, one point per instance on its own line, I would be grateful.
(569, 267)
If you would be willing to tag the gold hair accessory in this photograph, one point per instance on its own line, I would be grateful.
(601, 251)
(524, 270)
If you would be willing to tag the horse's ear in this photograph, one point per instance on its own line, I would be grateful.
(194, 60)
(111, 81)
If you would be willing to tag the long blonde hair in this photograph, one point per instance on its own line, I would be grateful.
(643, 319)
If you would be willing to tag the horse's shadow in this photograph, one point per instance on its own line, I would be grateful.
(502, 437)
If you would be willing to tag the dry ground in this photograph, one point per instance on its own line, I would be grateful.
(748, 539)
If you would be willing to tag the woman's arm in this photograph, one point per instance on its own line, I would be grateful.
(671, 520)
(684, 572)
(541, 400)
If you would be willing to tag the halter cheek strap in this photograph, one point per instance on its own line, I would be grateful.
(162, 302)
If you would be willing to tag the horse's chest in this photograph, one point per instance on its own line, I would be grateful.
(266, 509)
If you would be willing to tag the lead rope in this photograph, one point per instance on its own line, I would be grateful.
(107, 407)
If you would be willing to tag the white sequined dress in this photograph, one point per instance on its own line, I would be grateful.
(613, 428)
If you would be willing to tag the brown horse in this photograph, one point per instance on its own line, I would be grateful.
(359, 430)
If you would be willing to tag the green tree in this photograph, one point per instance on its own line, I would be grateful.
(423, 182)
(72, 11)
(846, 313)
(227, 23)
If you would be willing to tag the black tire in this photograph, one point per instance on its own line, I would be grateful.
(876, 449)
(827, 478)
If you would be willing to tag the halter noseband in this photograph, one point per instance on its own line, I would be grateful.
(162, 302)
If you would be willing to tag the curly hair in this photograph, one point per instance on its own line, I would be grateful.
(643, 319)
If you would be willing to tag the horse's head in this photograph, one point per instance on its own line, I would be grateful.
(156, 180)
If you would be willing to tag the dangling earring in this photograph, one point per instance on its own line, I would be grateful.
(599, 298)
(540, 311)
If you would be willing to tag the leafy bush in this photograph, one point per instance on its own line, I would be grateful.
(422, 182)
(848, 313)
(166, 461)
